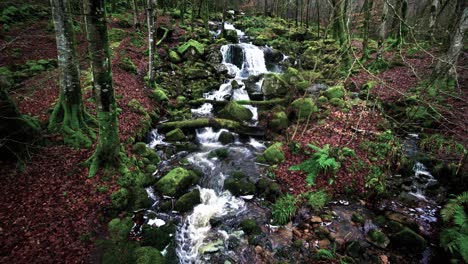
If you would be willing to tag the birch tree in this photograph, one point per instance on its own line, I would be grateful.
(151, 41)
(69, 116)
(365, 36)
(107, 153)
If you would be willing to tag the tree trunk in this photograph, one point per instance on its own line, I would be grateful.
(445, 67)
(151, 41)
(402, 29)
(297, 12)
(365, 36)
(348, 7)
(136, 22)
(107, 152)
(317, 4)
(383, 23)
(265, 13)
(307, 13)
(396, 15)
(69, 116)
(433, 17)
(339, 31)
(215, 123)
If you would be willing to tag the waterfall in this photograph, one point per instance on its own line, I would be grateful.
(422, 180)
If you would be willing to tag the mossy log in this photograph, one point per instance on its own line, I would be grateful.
(215, 123)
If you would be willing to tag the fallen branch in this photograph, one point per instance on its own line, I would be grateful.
(215, 123)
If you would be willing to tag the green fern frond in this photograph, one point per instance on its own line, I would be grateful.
(459, 217)
(325, 254)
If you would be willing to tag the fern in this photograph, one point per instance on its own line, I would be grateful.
(317, 200)
(325, 254)
(455, 238)
(321, 161)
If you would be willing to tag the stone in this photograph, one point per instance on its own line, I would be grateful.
(231, 36)
(239, 187)
(279, 121)
(324, 243)
(292, 76)
(357, 218)
(303, 108)
(377, 238)
(316, 219)
(353, 249)
(274, 86)
(235, 111)
(337, 91)
(211, 247)
(409, 239)
(226, 138)
(147, 255)
(250, 227)
(175, 182)
(187, 201)
(273, 154)
(175, 135)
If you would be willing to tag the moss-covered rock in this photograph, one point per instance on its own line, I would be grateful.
(231, 35)
(175, 182)
(250, 227)
(193, 47)
(378, 238)
(338, 102)
(174, 57)
(160, 95)
(148, 255)
(322, 100)
(226, 138)
(175, 135)
(274, 86)
(139, 148)
(159, 237)
(235, 111)
(303, 108)
(337, 91)
(187, 201)
(127, 64)
(273, 154)
(120, 199)
(358, 218)
(239, 187)
(119, 229)
(279, 121)
(220, 153)
(409, 240)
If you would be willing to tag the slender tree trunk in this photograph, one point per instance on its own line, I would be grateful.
(348, 7)
(297, 12)
(340, 31)
(383, 23)
(302, 13)
(107, 152)
(136, 22)
(265, 11)
(69, 116)
(402, 29)
(433, 17)
(445, 67)
(151, 40)
(317, 4)
(367, 15)
(307, 15)
(396, 15)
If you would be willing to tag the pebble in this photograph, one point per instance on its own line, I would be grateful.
(316, 219)
(258, 249)
(324, 243)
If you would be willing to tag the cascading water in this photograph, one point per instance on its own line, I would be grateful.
(422, 180)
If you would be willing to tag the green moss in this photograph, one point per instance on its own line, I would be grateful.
(235, 111)
(408, 239)
(120, 199)
(119, 229)
(187, 201)
(322, 100)
(378, 238)
(250, 227)
(274, 86)
(220, 153)
(139, 148)
(231, 36)
(304, 108)
(239, 187)
(357, 218)
(197, 46)
(273, 154)
(292, 76)
(116, 34)
(160, 95)
(338, 102)
(158, 238)
(279, 121)
(337, 91)
(127, 65)
(226, 138)
(148, 255)
(175, 135)
(175, 182)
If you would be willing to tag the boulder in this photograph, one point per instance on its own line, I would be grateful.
(274, 86)
(175, 182)
(187, 201)
(273, 154)
(303, 108)
(292, 76)
(226, 138)
(409, 239)
(235, 111)
(191, 49)
(239, 186)
(279, 121)
(250, 227)
(148, 255)
(175, 135)
(231, 36)
(377, 238)
(337, 91)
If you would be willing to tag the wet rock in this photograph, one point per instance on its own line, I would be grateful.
(268, 189)
(158, 238)
(358, 218)
(377, 238)
(220, 69)
(214, 55)
(353, 249)
(175, 182)
(239, 187)
(324, 243)
(251, 84)
(304, 108)
(231, 36)
(211, 247)
(187, 201)
(226, 138)
(175, 135)
(250, 227)
(409, 240)
(235, 84)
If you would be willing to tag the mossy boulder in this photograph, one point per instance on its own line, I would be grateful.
(160, 95)
(337, 91)
(409, 240)
(187, 201)
(303, 108)
(148, 255)
(378, 238)
(159, 237)
(274, 86)
(235, 111)
(220, 153)
(292, 76)
(119, 229)
(273, 154)
(231, 36)
(175, 182)
(239, 186)
(174, 57)
(338, 102)
(250, 227)
(322, 100)
(191, 49)
(175, 135)
(226, 138)
(310, 59)
(279, 121)
(120, 199)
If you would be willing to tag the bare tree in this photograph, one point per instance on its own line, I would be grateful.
(151, 13)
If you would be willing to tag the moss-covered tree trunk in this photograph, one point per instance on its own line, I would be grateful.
(383, 23)
(339, 30)
(365, 29)
(136, 22)
(433, 17)
(107, 152)
(446, 66)
(151, 41)
(402, 28)
(69, 116)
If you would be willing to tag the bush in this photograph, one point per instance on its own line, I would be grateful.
(454, 238)
(317, 200)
